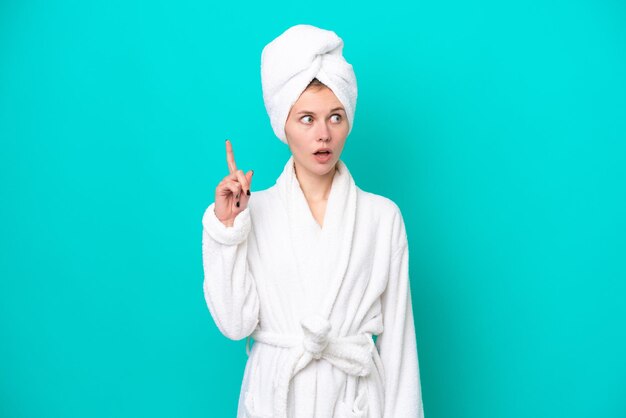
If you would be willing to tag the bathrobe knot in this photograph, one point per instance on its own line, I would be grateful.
(316, 329)
(350, 353)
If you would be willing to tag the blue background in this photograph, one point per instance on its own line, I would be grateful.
(499, 128)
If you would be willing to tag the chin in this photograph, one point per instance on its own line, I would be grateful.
(323, 169)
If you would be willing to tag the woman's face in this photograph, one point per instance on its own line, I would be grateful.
(317, 120)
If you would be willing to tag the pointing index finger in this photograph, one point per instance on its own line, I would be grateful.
(230, 157)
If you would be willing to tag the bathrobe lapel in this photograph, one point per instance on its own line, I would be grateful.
(330, 246)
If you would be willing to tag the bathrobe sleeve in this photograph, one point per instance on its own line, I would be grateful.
(229, 288)
(397, 344)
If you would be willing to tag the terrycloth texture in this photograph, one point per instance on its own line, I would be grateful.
(311, 297)
(352, 354)
(292, 60)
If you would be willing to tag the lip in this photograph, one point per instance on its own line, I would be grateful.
(323, 158)
(323, 149)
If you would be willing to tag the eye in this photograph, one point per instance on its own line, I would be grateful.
(338, 117)
(303, 119)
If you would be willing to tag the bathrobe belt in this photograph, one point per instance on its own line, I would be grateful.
(352, 354)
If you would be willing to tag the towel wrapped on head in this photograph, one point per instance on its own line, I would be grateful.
(292, 60)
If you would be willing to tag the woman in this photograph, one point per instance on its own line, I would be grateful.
(313, 267)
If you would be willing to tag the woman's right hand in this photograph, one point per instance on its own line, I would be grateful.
(233, 191)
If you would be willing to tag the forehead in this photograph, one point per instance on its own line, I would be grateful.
(317, 98)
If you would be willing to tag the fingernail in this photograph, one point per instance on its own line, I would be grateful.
(248, 192)
(237, 204)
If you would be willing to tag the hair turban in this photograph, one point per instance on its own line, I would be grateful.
(292, 60)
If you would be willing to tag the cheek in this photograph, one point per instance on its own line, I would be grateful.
(291, 131)
(293, 125)
(342, 129)
(300, 129)
(297, 134)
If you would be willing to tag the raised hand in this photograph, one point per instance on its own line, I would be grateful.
(233, 191)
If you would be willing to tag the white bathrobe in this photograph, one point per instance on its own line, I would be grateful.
(312, 297)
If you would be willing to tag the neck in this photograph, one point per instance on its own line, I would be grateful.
(314, 187)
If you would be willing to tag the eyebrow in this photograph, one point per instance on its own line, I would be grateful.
(313, 113)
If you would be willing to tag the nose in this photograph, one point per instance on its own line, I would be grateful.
(323, 132)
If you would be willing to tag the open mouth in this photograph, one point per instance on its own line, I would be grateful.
(323, 156)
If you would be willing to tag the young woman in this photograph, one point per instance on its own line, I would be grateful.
(313, 267)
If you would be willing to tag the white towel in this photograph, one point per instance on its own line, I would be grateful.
(292, 60)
